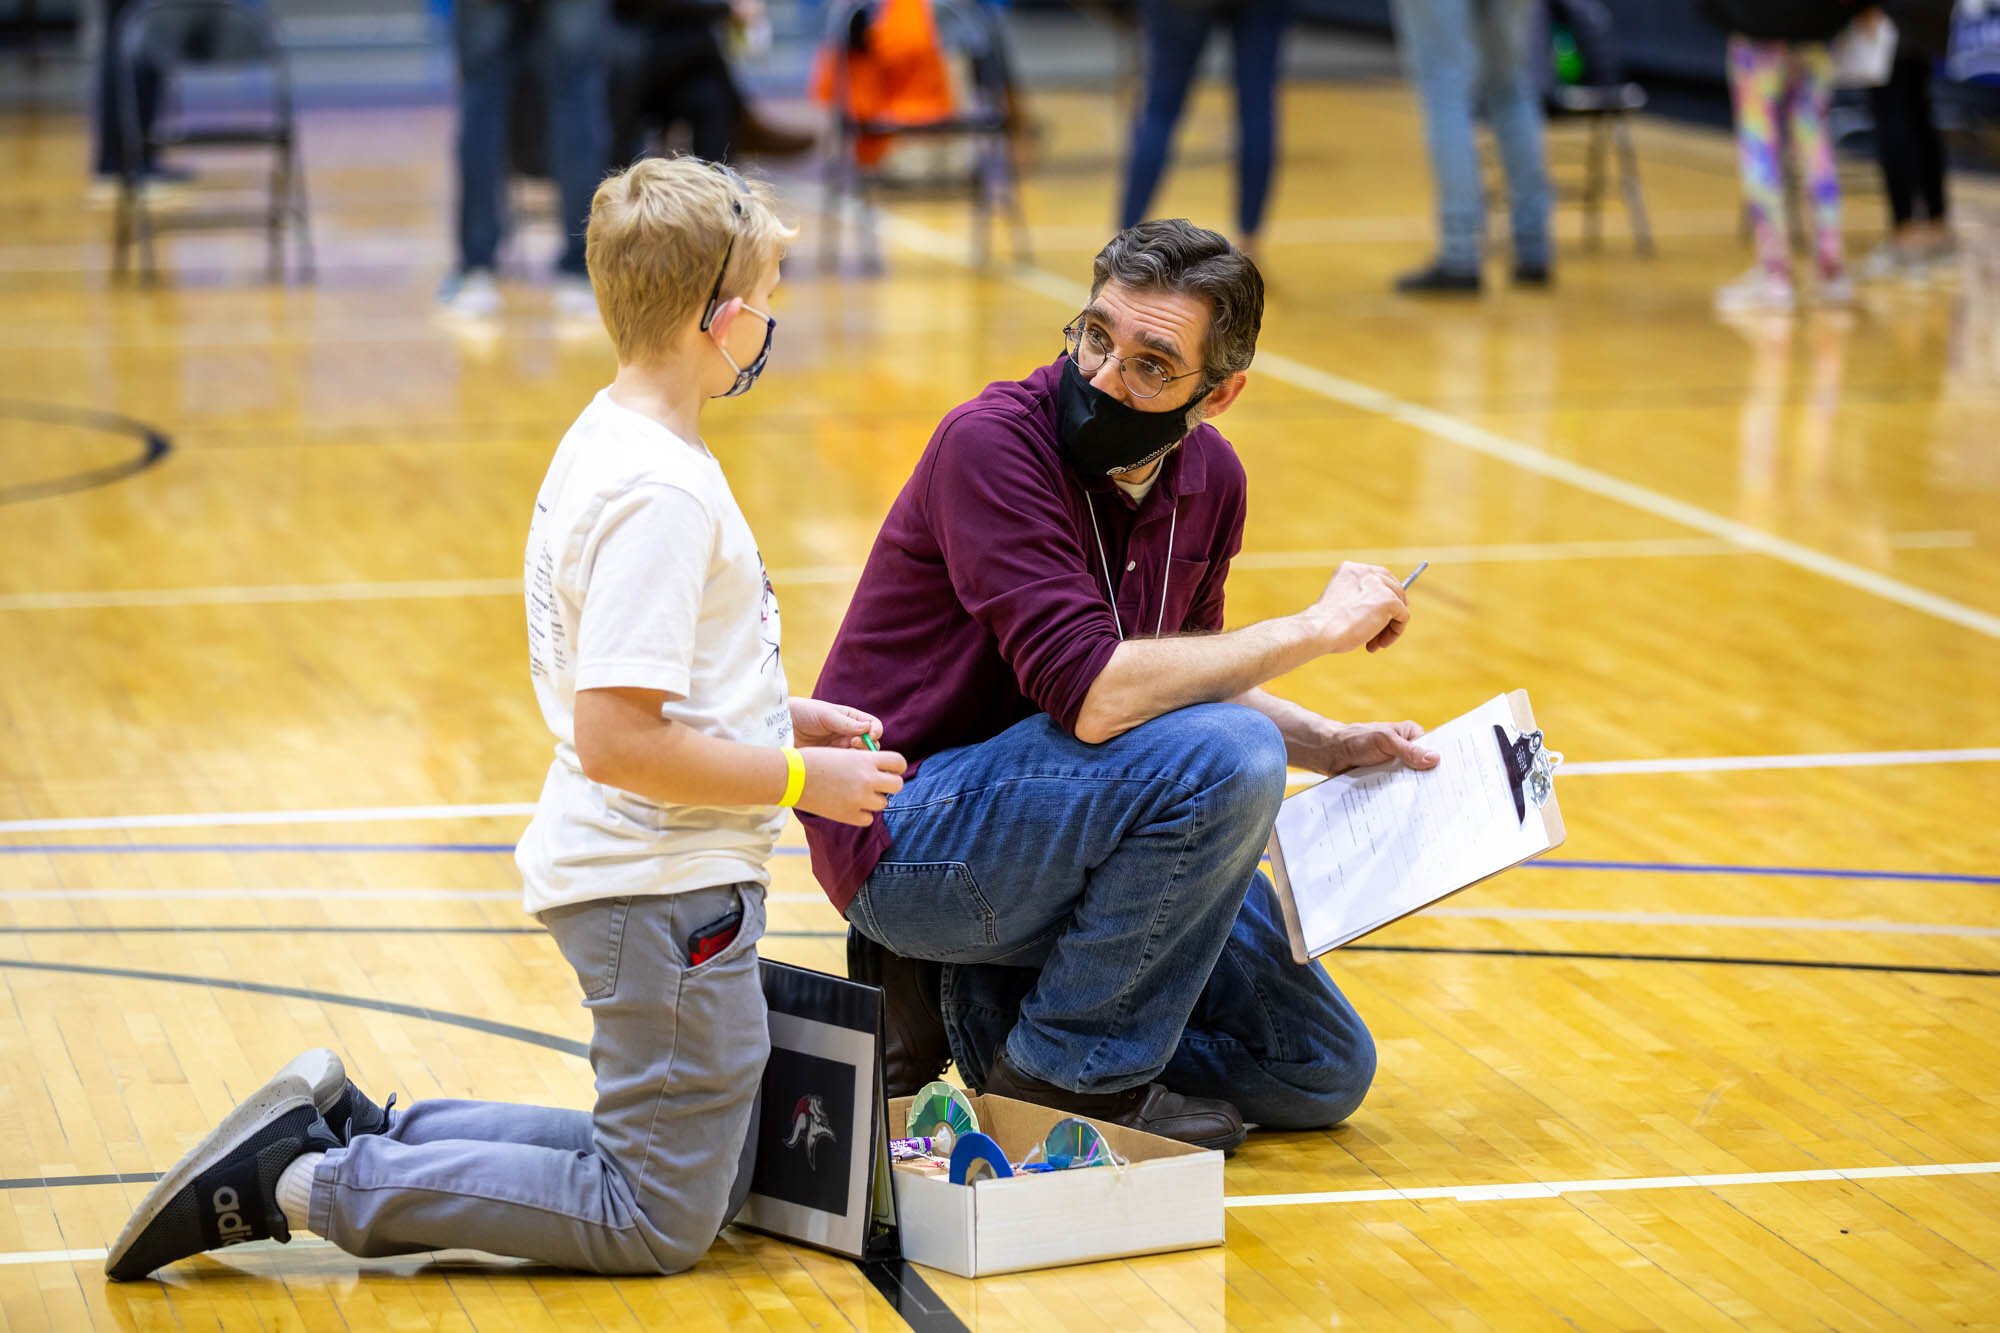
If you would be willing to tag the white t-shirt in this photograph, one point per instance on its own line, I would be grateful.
(641, 572)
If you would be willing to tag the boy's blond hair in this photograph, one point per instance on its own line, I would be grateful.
(658, 232)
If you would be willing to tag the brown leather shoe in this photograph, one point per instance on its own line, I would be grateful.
(1202, 1121)
(915, 1049)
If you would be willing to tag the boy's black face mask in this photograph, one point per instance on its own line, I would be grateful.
(1100, 435)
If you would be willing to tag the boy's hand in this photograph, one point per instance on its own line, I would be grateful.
(817, 722)
(849, 786)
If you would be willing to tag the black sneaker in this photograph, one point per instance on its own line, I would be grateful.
(1529, 274)
(225, 1192)
(1434, 279)
(347, 1110)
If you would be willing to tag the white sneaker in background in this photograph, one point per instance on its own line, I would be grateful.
(1756, 292)
(470, 295)
(1884, 262)
(1837, 290)
(574, 299)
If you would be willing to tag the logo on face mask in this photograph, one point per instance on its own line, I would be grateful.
(1101, 435)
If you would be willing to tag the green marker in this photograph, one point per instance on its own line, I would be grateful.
(869, 741)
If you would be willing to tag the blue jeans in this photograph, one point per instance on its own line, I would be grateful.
(639, 1184)
(568, 49)
(1175, 36)
(1101, 917)
(1468, 56)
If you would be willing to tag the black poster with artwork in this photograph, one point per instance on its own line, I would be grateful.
(822, 1170)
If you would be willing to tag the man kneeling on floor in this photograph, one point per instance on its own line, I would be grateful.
(1064, 896)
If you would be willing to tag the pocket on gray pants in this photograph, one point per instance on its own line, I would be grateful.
(591, 946)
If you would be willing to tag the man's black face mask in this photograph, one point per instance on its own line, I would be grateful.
(1101, 435)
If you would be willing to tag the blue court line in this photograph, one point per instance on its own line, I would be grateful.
(502, 848)
(1804, 872)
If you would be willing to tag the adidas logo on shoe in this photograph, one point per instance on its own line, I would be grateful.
(229, 1223)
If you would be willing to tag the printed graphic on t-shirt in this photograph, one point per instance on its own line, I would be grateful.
(545, 625)
(767, 619)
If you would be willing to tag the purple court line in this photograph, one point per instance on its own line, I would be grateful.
(499, 848)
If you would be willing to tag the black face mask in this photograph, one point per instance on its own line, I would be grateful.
(1101, 435)
(747, 375)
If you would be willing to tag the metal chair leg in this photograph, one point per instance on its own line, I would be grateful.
(1593, 186)
(121, 232)
(1635, 200)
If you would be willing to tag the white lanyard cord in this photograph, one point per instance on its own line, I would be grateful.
(1111, 592)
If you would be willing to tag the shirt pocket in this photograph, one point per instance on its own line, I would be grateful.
(1184, 580)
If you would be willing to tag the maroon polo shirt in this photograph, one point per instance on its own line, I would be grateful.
(984, 601)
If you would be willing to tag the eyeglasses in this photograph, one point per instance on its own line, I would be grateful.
(745, 375)
(736, 215)
(1090, 348)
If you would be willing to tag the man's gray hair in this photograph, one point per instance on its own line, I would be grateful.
(1174, 255)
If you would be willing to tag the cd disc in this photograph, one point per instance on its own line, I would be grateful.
(1073, 1143)
(940, 1105)
(977, 1157)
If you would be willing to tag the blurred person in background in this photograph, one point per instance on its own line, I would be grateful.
(1908, 145)
(109, 153)
(1176, 31)
(668, 65)
(1467, 58)
(566, 40)
(1780, 65)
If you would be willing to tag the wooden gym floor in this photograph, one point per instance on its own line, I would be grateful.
(1730, 1058)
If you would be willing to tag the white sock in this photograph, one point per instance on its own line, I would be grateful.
(295, 1191)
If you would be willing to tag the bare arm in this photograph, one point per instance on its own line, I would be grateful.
(1322, 745)
(622, 741)
(1362, 604)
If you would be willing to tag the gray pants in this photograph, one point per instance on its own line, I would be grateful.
(642, 1183)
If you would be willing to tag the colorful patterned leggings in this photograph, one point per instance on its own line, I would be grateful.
(1768, 81)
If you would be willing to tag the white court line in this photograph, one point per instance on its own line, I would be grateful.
(1752, 762)
(248, 818)
(1654, 548)
(1296, 777)
(1553, 1189)
(286, 895)
(1528, 458)
(1583, 916)
(1721, 922)
(54, 1257)
(1527, 1189)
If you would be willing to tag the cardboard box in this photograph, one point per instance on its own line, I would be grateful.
(1169, 1198)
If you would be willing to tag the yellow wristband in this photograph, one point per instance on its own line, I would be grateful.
(795, 777)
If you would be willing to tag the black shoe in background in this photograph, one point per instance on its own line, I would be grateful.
(1538, 276)
(1434, 279)
(915, 1049)
(1205, 1122)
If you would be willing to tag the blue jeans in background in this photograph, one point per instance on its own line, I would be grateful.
(1101, 917)
(1176, 32)
(1471, 57)
(494, 38)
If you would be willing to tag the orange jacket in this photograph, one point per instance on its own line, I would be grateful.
(898, 74)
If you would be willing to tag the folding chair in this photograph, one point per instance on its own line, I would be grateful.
(209, 35)
(1608, 112)
(975, 45)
